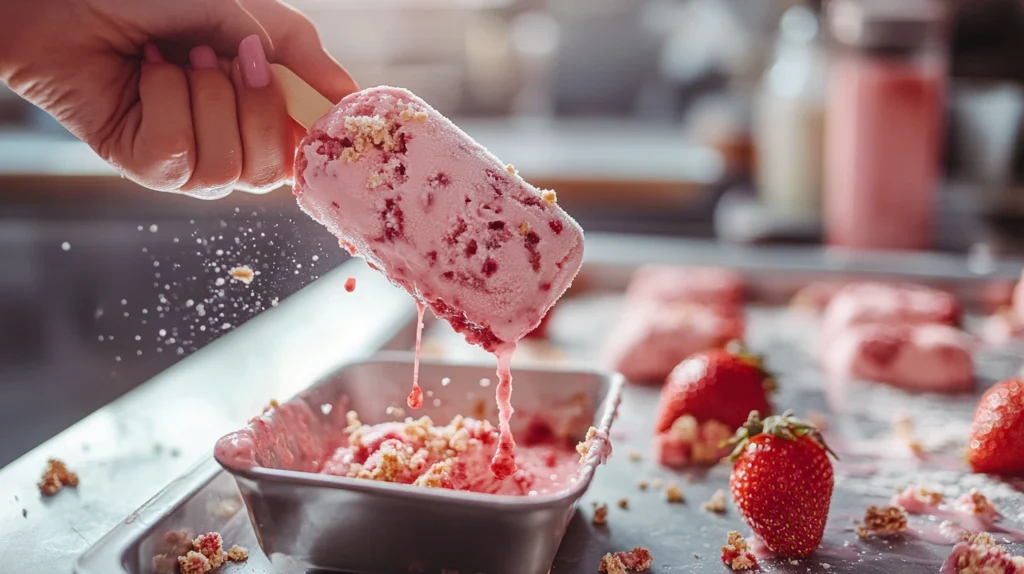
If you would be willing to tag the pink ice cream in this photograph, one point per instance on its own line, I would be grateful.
(456, 456)
(978, 553)
(406, 189)
(900, 304)
(714, 286)
(652, 338)
(922, 357)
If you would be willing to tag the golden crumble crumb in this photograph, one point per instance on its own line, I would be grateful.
(374, 180)
(736, 553)
(673, 494)
(511, 169)
(637, 559)
(412, 112)
(349, 155)
(549, 196)
(904, 428)
(435, 477)
(55, 477)
(243, 274)
(194, 563)
(642, 485)
(611, 564)
(883, 521)
(238, 554)
(624, 503)
(524, 228)
(367, 132)
(635, 456)
(584, 447)
(211, 545)
(716, 503)
(928, 496)
(600, 514)
(794, 561)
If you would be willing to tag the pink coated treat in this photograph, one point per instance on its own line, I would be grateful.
(441, 217)
(924, 357)
(978, 553)
(900, 304)
(652, 338)
(456, 456)
(714, 286)
(972, 511)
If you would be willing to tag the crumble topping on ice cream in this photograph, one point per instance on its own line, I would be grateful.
(455, 456)
(978, 553)
(716, 503)
(637, 559)
(975, 503)
(736, 553)
(883, 521)
(55, 477)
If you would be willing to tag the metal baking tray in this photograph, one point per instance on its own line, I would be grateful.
(318, 519)
(681, 537)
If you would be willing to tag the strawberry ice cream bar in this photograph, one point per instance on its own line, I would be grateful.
(402, 186)
(978, 553)
(715, 286)
(902, 304)
(652, 338)
(929, 357)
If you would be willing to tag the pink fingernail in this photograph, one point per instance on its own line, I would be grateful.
(152, 54)
(203, 58)
(253, 61)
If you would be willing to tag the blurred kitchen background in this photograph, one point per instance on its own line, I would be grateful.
(699, 118)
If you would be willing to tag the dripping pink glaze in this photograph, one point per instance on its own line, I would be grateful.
(415, 399)
(503, 464)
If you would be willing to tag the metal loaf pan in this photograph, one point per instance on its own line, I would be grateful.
(362, 526)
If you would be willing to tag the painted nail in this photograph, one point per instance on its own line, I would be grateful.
(203, 58)
(253, 61)
(152, 54)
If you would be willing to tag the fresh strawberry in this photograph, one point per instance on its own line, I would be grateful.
(721, 385)
(997, 431)
(782, 482)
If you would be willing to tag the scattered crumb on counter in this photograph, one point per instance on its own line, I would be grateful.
(642, 485)
(350, 284)
(794, 561)
(637, 559)
(736, 553)
(24, 513)
(238, 554)
(244, 273)
(716, 503)
(600, 514)
(883, 521)
(975, 502)
(55, 477)
(673, 494)
(624, 503)
(611, 565)
(273, 404)
(635, 456)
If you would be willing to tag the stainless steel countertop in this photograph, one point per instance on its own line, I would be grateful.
(130, 449)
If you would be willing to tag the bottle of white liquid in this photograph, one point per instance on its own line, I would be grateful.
(790, 118)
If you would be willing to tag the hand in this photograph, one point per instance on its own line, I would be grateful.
(177, 95)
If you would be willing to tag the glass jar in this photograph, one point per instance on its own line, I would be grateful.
(884, 121)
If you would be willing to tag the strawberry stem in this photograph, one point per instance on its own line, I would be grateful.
(737, 349)
(784, 426)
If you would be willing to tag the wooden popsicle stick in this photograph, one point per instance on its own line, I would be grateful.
(305, 105)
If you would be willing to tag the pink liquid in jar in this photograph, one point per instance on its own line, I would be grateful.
(882, 157)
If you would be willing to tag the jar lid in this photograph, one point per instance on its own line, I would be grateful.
(886, 24)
